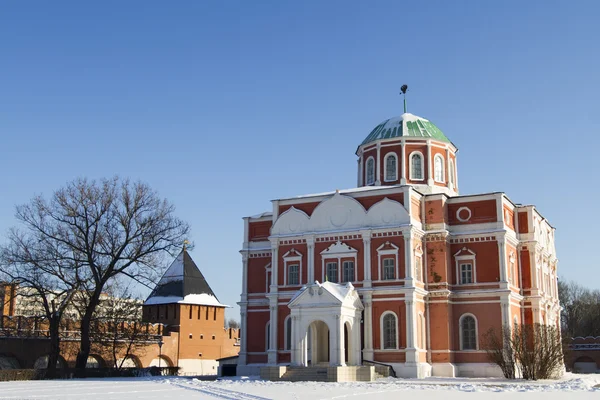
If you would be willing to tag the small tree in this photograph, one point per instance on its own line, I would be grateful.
(534, 350)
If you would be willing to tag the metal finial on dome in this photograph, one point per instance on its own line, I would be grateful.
(403, 90)
(185, 244)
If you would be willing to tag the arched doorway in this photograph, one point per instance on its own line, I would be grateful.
(318, 343)
(42, 363)
(94, 361)
(161, 361)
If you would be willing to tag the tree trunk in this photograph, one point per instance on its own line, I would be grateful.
(85, 344)
(54, 321)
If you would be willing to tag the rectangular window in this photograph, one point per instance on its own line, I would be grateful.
(466, 273)
(293, 274)
(332, 272)
(389, 268)
(348, 271)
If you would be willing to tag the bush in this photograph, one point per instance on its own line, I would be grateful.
(533, 350)
(18, 375)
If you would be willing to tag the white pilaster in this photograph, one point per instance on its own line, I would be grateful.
(448, 170)
(341, 346)
(274, 265)
(244, 275)
(378, 168)
(411, 328)
(243, 360)
(408, 258)
(502, 259)
(360, 170)
(272, 353)
(366, 237)
(368, 326)
(429, 165)
(310, 262)
(403, 157)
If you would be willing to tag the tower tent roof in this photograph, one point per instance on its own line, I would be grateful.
(183, 283)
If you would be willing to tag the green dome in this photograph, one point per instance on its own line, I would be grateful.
(406, 125)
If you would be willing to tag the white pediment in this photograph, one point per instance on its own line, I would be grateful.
(338, 248)
(341, 212)
(326, 294)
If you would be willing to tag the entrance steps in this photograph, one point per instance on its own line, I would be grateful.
(319, 373)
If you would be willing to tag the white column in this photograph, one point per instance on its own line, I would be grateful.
(411, 328)
(366, 237)
(272, 353)
(506, 317)
(455, 173)
(368, 326)
(403, 157)
(429, 165)
(408, 258)
(533, 270)
(297, 342)
(378, 168)
(310, 261)
(341, 346)
(360, 171)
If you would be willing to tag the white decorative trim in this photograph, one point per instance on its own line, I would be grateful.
(410, 166)
(461, 260)
(381, 330)
(385, 169)
(268, 270)
(422, 340)
(418, 257)
(380, 253)
(460, 332)
(458, 214)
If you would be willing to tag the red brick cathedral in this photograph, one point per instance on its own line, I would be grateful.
(400, 270)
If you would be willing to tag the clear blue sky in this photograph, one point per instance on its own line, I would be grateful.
(223, 106)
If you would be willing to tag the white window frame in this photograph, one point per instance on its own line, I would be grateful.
(382, 331)
(343, 271)
(465, 259)
(287, 344)
(419, 269)
(337, 270)
(385, 167)
(435, 169)
(410, 166)
(368, 183)
(381, 254)
(292, 257)
(460, 332)
(338, 252)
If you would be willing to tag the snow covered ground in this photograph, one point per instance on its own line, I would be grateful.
(567, 388)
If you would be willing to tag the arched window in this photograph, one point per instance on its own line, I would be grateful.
(416, 167)
(468, 333)
(451, 172)
(391, 167)
(438, 169)
(288, 333)
(389, 331)
(370, 171)
(268, 335)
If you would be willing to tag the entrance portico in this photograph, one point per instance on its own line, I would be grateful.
(326, 325)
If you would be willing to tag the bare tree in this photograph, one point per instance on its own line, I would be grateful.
(106, 229)
(47, 274)
(580, 314)
(117, 326)
(232, 323)
(534, 350)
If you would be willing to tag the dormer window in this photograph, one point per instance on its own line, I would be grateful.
(391, 167)
(370, 171)
(416, 166)
(438, 169)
